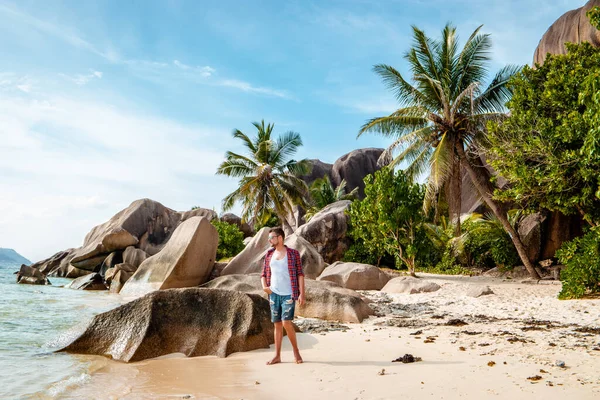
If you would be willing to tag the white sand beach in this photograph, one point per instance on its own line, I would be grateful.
(509, 348)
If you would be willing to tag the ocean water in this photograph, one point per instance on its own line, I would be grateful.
(32, 320)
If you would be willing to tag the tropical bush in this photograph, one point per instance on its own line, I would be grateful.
(548, 148)
(322, 193)
(359, 253)
(486, 244)
(231, 239)
(390, 217)
(483, 244)
(581, 256)
(270, 220)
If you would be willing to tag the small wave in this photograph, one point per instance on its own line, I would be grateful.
(69, 383)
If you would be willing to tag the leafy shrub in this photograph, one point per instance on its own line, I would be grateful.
(581, 256)
(271, 221)
(389, 219)
(231, 239)
(487, 244)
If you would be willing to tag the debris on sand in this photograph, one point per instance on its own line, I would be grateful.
(407, 358)
(535, 378)
(456, 322)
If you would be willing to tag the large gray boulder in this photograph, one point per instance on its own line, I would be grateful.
(235, 220)
(251, 259)
(571, 27)
(114, 258)
(326, 231)
(118, 281)
(355, 276)
(198, 212)
(193, 321)
(93, 281)
(530, 232)
(354, 166)
(63, 268)
(50, 264)
(146, 224)
(134, 257)
(31, 276)
(318, 170)
(185, 261)
(409, 285)
(324, 300)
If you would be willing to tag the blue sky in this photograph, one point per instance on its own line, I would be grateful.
(105, 102)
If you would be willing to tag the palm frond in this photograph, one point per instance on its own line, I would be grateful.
(420, 163)
(469, 90)
(424, 50)
(405, 93)
(473, 60)
(237, 134)
(296, 168)
(236, 168)
(497, 94)
(286, 145)
(447, 56)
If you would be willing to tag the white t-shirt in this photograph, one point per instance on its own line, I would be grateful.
(281, 283)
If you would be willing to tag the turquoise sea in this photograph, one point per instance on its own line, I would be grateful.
(32, 319)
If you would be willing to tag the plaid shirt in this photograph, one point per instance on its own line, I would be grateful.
(294, 267)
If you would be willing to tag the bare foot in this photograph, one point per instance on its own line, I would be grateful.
(298, 358)
(275, 360)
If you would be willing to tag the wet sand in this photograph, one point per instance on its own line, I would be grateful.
(508, 347)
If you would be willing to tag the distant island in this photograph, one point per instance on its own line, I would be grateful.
(9, 256)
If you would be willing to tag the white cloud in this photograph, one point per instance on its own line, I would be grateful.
(10, 81)
(247, 87)
(377, 107)
(203, 71)
(70, 164)
(62, 32)
(81, 79)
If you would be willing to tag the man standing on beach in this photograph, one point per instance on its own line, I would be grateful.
(283, 279)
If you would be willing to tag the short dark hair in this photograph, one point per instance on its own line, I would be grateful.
(278, 231)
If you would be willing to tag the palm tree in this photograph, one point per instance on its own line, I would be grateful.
(322, 193)
(269, 180)
(442, 113)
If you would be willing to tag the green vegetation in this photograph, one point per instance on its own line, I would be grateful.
(581, 256)
(269, 182)
(443, 111)
(483, 244)
(231, 239)
(549, 151)
(322, 193)
(389, 218)
(548, 148)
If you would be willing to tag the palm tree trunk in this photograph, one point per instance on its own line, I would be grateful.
(499, 214)
(285, 225)
(453, 194)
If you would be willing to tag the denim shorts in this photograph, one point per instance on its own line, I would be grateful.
(282, 307)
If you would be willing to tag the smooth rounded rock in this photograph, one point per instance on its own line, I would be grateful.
(409, 285)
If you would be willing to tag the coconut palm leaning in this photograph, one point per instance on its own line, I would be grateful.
(268, 177)
(443, 112)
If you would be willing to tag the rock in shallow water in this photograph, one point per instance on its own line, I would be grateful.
(31, 276)
(194, 321)
(92, 281)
